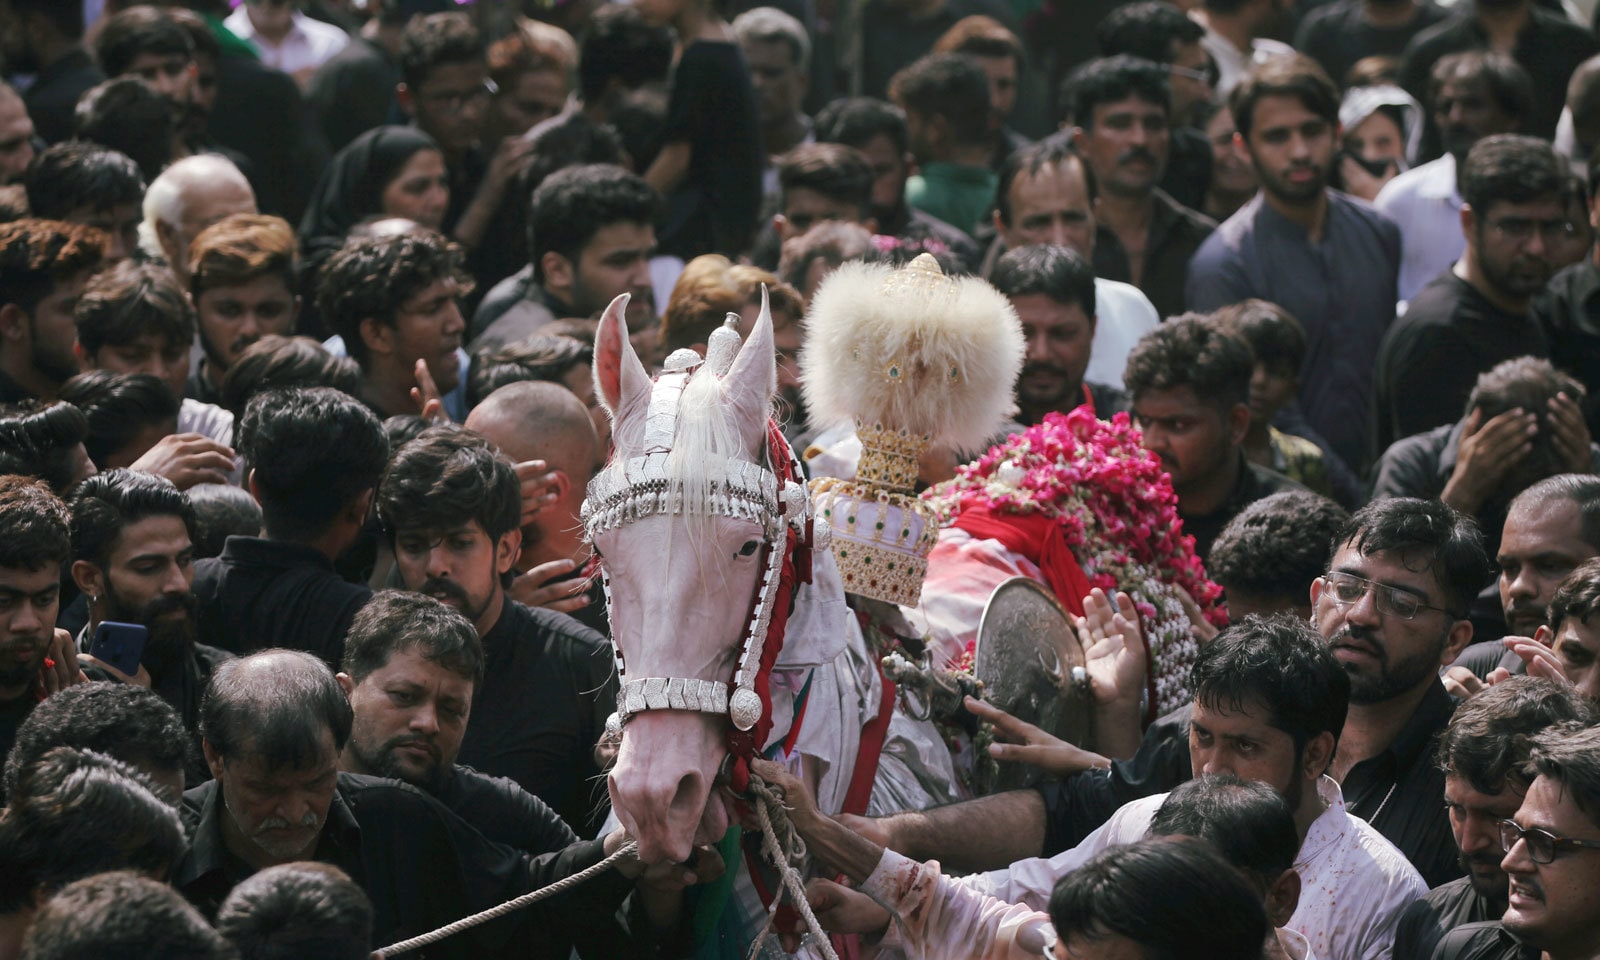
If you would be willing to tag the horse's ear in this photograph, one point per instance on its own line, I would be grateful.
(753, 379)
(618, 374)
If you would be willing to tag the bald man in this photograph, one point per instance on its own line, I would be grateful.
(538, 420)
(187, 197)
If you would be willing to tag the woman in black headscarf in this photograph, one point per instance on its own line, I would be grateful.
(387, 172)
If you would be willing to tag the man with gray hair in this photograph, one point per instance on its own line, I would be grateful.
(187, 197)
(779, 53)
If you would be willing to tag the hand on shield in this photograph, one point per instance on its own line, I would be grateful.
(1023, 742)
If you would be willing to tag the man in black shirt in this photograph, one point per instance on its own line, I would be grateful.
(133, 558)
(1190, 384)
(1568, 312)
(314, 458)
(1475, 315)
(410, 666)
(451, 507)
(1338, 35)
(1483, 752)
(273, 725)
(34, 543)
(45, 38)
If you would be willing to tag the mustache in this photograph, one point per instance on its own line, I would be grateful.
(165, 604)
(1136, 153)
(413, 740)
(1033, 367)
(440, 585)
(1361, 636)
(309, 822)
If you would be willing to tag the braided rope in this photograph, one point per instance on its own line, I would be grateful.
(786, 852)
(511, 906)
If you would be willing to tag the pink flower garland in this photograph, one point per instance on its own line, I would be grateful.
(1115, 506)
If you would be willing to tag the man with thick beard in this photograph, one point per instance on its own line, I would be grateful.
(133, 558)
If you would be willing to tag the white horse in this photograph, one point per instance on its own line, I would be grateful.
(693, 519)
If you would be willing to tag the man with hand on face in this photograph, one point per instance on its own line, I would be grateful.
(1552, 856)
(1483, 753)
(1327, 259)
(242, 279)
(451, 507)
(133, 558)
(1476, 314)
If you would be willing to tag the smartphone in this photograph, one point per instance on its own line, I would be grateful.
(119, 644)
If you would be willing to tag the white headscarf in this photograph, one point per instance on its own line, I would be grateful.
(1362, 102)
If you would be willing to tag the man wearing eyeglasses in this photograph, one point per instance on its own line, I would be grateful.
(1552, 857)
(1475, 315)
(1483, 754)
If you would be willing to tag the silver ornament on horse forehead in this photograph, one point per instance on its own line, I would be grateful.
(1033, 667)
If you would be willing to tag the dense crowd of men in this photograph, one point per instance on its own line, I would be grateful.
(298, 304)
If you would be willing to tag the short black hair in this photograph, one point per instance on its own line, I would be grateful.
(396, 620)
(276, 363)
(1246, 821)
(574, 204)
(37, 255)
(105, 504)
(1291, 75)
(1276, 546)
(1173, 896)
(1279, 664)
(73, 813)
(129, 116)
(131, 33)
(1057, 272)
(121, 916)
(1569, 753)
(1192, 351)
(1052, 151)
(298, 910)
(437, 39)
(1489, 736)
(75, 174)
(1505, 79)
(34, 525)
(447, 477)
(126, 722)
(1146, 29)
(1113, 79)
(949, 85)
(310, 453)
(1510, 168)
(840, 173)
(1448, 542)
(131, 300)
(622, 46)
(372, 277)
(854, 121)
(1581, 489)
(1578, 596)
(118, 407)
(221, 510)
(1275, 336)
(539, 357)
(274, 705)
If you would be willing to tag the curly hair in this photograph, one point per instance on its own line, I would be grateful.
(372, 277)
(1192, 351)
(437, 39)
(35, 529)
(36, 255)
(39, 441)
(1490, 734)
(1276, 546)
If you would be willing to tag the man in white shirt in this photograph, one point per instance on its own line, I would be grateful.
(1046, 195)
(287, 39)
(1238, 37)
(1472, 95)
(1270, 703)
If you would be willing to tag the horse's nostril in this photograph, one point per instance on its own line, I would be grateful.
(686, 800)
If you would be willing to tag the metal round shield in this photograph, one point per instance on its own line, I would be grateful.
(1025, 655)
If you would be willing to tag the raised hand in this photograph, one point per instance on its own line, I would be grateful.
(1113, 648)
(187, 459)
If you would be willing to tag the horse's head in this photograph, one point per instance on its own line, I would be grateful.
(681, 517)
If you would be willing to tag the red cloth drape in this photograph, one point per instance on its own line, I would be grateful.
(1038, 538)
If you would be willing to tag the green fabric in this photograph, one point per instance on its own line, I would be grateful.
(711, 901)
(232, 44)
(959, 195)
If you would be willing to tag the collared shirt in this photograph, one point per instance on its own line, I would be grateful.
(1174, 234)
(1421, 465)
(423, 867)
(548, 687)
(1426, 205)
(1341, 289)
(1354, 883)
(1450, 334)
(308, 44)
(1550, 47)
(1569, 314)
(1441, 910)
(1254, 482)
(957, 194)
(1484, 941)
(508, 320)
(266, 593)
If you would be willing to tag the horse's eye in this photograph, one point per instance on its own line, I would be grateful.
(750, 547)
